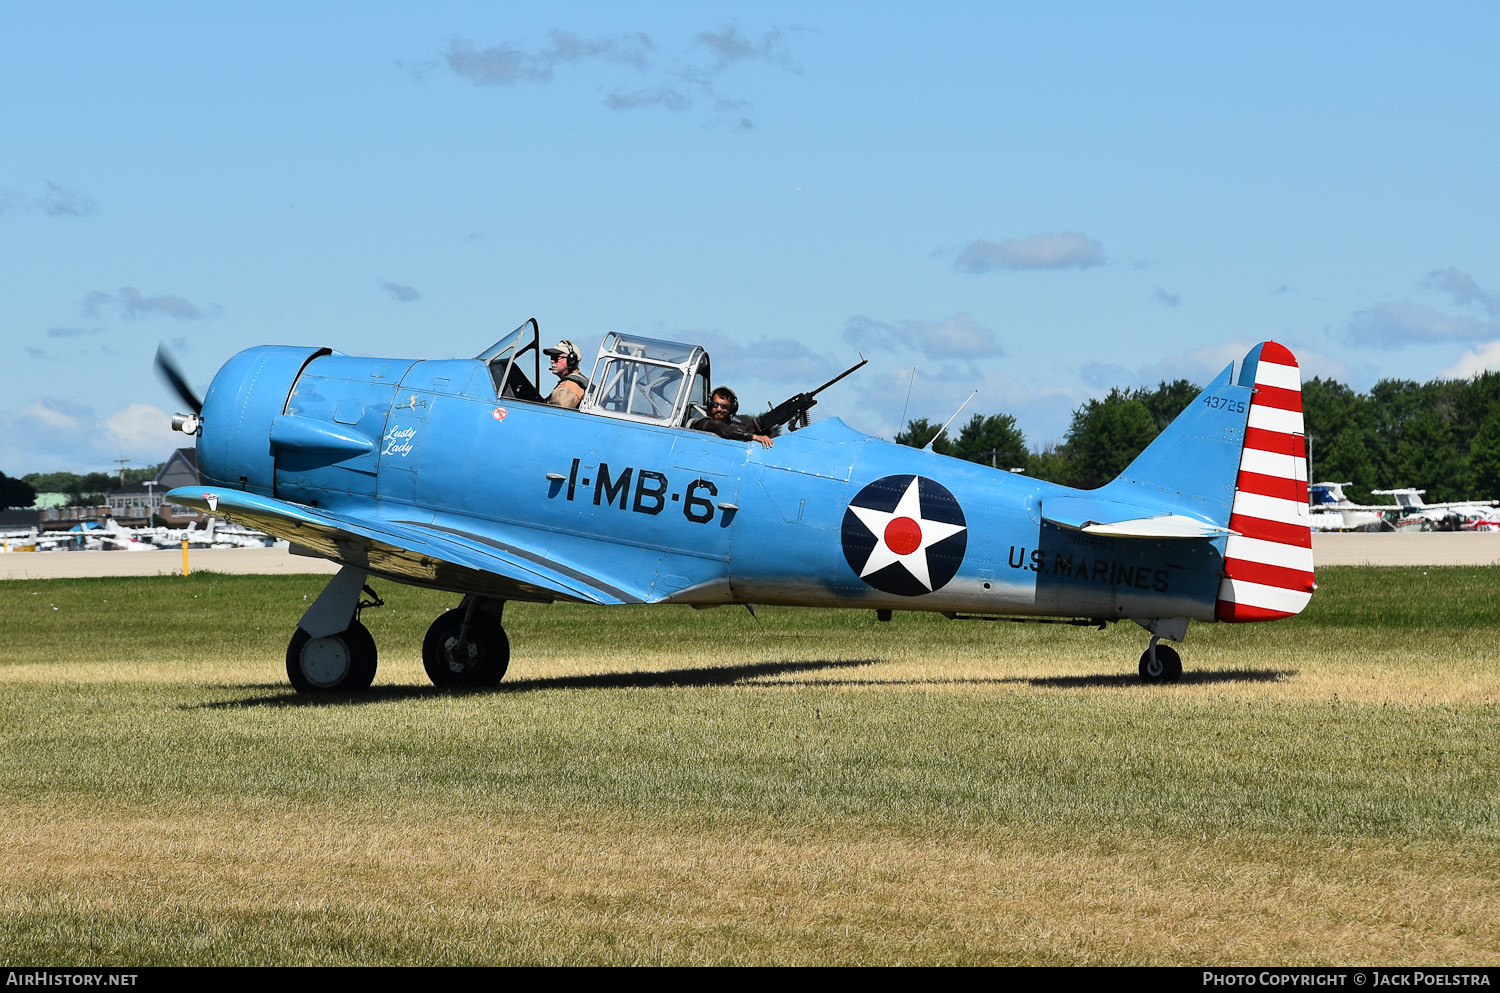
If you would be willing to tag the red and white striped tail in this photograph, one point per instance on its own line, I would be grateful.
(1268, 563)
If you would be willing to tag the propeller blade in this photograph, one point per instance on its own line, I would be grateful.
(167, 368)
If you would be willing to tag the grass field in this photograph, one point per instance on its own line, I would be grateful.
(661, 785)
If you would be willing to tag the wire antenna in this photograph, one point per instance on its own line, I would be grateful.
(909, 384)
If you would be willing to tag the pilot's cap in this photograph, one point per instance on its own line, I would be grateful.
(564, 347)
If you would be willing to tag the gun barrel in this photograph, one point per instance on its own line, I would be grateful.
(854, 368)
(798, 405)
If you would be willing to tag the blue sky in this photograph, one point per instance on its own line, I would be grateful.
(1039, 201)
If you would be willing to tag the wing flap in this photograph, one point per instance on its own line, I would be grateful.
(410, 551)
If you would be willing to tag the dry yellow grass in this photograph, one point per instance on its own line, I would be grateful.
(498, 889)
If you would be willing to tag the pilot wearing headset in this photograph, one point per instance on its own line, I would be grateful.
(721, 420)
(571, 383)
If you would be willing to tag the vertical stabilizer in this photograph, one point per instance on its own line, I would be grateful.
(1268, 563)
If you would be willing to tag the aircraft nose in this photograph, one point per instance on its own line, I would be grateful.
(247, 393)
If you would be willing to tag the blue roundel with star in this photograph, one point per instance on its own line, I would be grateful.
(905, 535)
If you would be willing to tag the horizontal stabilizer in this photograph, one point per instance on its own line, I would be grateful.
(1123, 520)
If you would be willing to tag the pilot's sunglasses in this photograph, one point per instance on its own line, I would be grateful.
(716, 405)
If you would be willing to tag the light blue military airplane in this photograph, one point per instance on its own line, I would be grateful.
(456, 475)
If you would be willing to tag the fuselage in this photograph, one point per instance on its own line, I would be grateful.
(827, 517)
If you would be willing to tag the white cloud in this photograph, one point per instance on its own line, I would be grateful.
(1484, 358)
(775, 366)
(60, 201)
(142, 426)
(507, 65)
(731, 45)
(665, 97)
(959, 335)
(1103, 375)
(1323, 365)
(400, 292)
(51, 434)
(57, 201)
(1070, 250)
(1462, 288)
(1401, 322)
(131, 302)
(1398, 323)
(672, 78)
(46, 414)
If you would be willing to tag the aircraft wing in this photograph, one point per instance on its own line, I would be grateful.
(409, 551)
(1124, 520)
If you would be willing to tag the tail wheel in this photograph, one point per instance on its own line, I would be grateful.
(480, 660)
(340, 663)
(1161, 665)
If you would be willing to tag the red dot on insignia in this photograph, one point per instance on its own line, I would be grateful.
(903, 536)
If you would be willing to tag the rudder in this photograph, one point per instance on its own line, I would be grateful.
(1268, 562)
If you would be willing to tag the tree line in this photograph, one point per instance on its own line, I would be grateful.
(1442, 436)
(83, 490)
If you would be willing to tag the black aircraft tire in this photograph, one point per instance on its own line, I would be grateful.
(485, 660)
(340, 663)
(1168, 668)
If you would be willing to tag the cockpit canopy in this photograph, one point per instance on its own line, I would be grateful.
(649, 380)
(635, 378)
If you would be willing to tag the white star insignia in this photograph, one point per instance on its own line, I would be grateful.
(903, 535)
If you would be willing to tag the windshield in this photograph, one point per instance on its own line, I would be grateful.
(508, 364)
(503, 348)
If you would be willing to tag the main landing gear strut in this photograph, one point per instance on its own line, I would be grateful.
(332, 652)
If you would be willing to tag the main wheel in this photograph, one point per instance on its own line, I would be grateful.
(480, 661)
(339, 663)
(1165, 668)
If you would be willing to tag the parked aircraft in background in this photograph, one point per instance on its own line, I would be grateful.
(96, 536)
(1486, 521)
(110, 535)
(18, 540)
(1333, 511)
(1411, 514)
(213, 535)
(454, 475)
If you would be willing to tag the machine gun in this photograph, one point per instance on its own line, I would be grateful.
(796, 408)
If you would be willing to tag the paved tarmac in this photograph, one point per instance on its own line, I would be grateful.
(162, 562)
(1435, 548)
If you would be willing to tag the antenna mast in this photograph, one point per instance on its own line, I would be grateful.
(928, 447)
